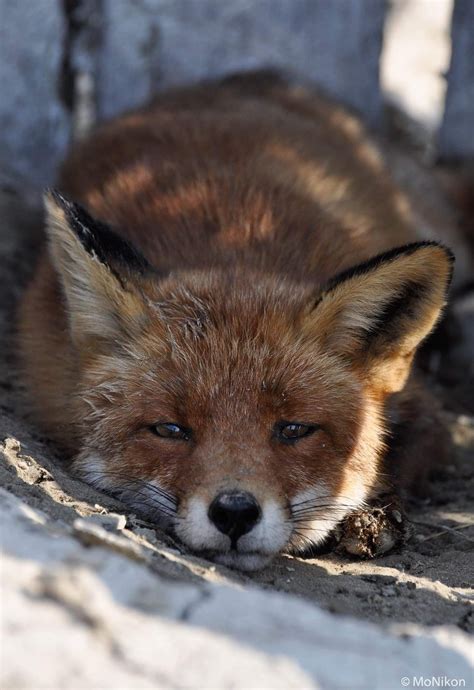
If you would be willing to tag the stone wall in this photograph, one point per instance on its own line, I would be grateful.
(65, 63)
(34, 122)
(61, 62)
(457, 131)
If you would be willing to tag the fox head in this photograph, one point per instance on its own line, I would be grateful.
(241, 410)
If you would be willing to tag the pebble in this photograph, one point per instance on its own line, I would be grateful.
(93, 534)
(112, 521)
(177, 552)
(408, 585)
(148, 534)
(396, 514)
(381, 579)
(12, 444)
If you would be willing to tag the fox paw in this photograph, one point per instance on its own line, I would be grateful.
(373, 531)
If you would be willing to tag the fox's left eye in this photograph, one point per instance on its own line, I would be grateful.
(293, 431)
(172, 431)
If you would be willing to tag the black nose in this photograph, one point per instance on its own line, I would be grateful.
(234, 513)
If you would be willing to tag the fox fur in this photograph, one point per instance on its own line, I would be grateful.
(232, 258)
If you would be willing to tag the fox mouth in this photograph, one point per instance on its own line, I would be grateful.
(293, 529)
(246, 561)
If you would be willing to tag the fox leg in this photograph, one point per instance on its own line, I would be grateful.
(374, 530)
(419, 442)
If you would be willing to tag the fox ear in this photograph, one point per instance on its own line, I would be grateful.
(97, 270)
(376, 314)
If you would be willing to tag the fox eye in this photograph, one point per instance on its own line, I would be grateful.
(171, 430)
(293, 431)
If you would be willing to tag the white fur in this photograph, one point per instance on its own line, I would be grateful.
(92, 469)
(197, 531)
(271, 534)
(316, 527)
(156, 507)
(141, 496)
(254, 549)
(243, 561)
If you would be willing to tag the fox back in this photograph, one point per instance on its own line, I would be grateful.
(220, 323)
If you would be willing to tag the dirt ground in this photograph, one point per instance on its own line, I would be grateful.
(428, 581)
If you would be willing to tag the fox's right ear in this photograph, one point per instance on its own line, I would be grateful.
(376, 314)
(97, 269)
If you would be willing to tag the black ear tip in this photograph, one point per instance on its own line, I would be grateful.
(449, 253)
(79, 219)
(439, 245)
(389, 256)
(97, 237)
(414, 247)
(56, 196)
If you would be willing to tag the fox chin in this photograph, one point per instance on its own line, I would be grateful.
(221, 328)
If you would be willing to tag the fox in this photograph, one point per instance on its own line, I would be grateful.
(222, 324)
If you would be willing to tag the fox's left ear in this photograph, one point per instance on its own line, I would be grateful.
(377, 314)
(99, 272)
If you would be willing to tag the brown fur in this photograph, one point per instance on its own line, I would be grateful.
(245, 201)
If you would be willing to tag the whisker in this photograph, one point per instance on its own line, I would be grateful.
(325, 506)
(310, 528)
(308, 524)
(306, 511)
(156, 498)
(147, 503)
(302, 541)
(151, 498)
(317, 498)
(120, 492)
(318, 501)
(131, 481)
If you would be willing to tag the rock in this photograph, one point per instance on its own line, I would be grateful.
(91, 533)
(34, 123)
(140, 630)
(456, 139)
(159, 43)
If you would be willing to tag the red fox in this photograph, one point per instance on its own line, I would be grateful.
(222, 326)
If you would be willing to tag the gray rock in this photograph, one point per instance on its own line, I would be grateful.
(456, 138)
(34, 124)
(152, 44)
(137, 629)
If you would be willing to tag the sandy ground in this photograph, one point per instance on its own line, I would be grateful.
(428, 581)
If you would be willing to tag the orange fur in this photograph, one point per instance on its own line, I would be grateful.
(243, 205)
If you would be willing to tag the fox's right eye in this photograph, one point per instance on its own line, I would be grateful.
(171, 431)
(289, 432)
